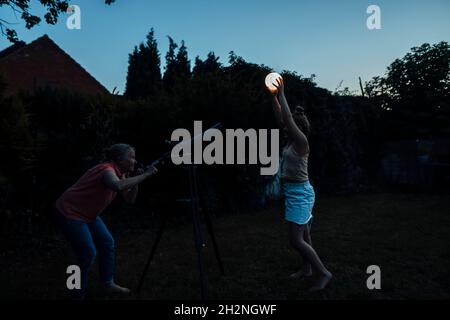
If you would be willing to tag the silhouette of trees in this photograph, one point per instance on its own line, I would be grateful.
(144, 70)
(210, 65)
(22, 8)
(53, 136)
(415, 93)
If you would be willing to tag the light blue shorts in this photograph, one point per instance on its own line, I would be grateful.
(298, 201)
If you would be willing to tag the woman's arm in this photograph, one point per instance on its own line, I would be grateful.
(113, 182)
(299, 138)
(130, 194)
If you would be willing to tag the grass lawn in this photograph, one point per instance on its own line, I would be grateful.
(407, 235)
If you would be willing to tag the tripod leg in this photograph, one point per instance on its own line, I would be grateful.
(213, 238)
(197, 230)
(211, 232)
(152, 252)
(200, 260)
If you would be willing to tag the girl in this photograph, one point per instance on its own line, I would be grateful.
(298, 192)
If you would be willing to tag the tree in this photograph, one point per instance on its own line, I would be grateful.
(210, 65)
(170, 68)
(178, 66)
(16, 139)
(22, 7)
(421, 74)
(415, 92)
(424, 72)
(144, 70)
(183, 65)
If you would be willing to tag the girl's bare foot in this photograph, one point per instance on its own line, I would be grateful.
(307, 272)
(321, 282)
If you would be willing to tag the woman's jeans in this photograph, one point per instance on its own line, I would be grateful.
(88, 240)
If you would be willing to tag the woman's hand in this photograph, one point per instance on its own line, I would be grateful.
(139, 171)
(151, 170)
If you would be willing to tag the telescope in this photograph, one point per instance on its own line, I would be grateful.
(196, 200)
(167, 154)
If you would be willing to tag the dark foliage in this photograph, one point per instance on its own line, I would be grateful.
(415, 94)
(53, 9)
(49, 138)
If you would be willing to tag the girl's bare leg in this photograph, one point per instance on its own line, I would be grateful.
(306, 270)
(296, 235)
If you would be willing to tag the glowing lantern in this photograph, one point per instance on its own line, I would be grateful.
(271, 80)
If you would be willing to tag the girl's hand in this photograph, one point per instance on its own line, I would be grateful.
(279, 85)
(272, 92)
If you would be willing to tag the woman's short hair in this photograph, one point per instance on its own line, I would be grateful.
(117, 151)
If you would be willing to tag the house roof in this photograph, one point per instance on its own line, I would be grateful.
(12, 48)
(43, 63)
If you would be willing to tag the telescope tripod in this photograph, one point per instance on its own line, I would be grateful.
(197, 205)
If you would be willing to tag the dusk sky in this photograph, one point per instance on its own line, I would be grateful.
(327, 38)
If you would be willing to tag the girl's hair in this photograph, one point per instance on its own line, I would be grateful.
(302, 121)
(117, 151)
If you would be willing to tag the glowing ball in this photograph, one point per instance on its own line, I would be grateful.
(271, 81)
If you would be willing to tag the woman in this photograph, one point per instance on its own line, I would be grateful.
(299, 194)
(78, 211)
